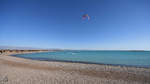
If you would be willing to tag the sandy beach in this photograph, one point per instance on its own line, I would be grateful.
(15, 70)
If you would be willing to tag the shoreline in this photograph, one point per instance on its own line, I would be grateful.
(82, 62)
(59, 70)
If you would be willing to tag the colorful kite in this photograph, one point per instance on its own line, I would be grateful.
(85, 16)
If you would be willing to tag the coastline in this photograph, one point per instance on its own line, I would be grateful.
(82, 62)
(61, 72)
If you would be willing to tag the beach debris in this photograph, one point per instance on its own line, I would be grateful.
(3, 80)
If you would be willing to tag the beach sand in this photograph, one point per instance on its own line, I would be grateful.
(14, 70)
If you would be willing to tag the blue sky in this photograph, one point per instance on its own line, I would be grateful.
(113, 24)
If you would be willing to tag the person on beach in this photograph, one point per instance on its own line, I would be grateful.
(1, 51)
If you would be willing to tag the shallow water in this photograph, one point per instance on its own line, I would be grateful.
(126, 58)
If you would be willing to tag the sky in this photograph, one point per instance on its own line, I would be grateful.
(113, 24)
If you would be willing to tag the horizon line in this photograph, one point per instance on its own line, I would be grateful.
(34, 48)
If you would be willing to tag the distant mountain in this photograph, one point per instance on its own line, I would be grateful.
(26, 48)
(18, 48)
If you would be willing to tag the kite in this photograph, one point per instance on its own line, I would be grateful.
(85, 16)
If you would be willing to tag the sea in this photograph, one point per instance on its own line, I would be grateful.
(116, 58)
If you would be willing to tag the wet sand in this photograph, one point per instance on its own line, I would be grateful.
(14, 70)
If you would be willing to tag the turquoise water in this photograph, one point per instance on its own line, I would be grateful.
(126, 58)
